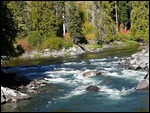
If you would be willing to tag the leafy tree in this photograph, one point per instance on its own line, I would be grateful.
(8, 33)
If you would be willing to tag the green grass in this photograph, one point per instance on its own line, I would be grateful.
(130, 42)
(125, 43)
(94, 46)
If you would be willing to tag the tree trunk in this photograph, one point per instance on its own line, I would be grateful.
(116, 16)
(93, 14)
(64, 26)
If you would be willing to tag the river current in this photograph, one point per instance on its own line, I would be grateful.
(68, 94)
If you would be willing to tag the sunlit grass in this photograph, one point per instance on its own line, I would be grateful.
(94, 46)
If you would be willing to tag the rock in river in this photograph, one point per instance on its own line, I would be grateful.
(93, 88)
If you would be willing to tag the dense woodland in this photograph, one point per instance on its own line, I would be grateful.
(57, 24)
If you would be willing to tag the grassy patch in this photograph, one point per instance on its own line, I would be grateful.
(125, 43)
(94, 46)
(130, 42)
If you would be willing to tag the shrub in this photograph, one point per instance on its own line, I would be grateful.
(88, 31)
(56, 43)
(24, 44)
(34, 38)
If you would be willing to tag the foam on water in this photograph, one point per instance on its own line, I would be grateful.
(97, 60)
(78, 91)
(115, 93)
(56, 80)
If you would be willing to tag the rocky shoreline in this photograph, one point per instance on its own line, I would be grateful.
(139, 61)
(70, 52)
(12, 86)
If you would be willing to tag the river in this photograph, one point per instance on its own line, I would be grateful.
(67, 92)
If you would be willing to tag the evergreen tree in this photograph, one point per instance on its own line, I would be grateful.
(140, 21)
(103, 21)
(123, 13)
(42, 20)
(74, 21)
(20, 12)
(59, 11)
(8, 33)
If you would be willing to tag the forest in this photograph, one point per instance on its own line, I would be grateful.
(29, 25)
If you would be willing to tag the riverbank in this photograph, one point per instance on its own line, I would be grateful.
(75, 50)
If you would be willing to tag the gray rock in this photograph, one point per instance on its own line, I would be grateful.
(13, 95)
(93, 88)
(3, 98)
(91, 73)
(143, 84)
(146, 76)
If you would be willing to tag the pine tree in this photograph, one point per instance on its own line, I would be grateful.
(42, 21)
(8, 33)
(123, 13)
(20, 11)
(104, 21)
(139, 21)
(73, 21)
(59, 11)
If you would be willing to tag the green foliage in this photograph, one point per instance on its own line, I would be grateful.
(123, 11)
(59, 7)
(92, 21)
(74, 20)
(43, 18)
(56, 43)
(8, 33)
(140, 21)
(34, 38)
(20, 15)
(104, 22)
(121, 37)
(88, 31)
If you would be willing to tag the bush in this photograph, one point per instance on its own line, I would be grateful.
(56, 43)
(67, 37)
(88, 31)
(34, 38)
(24, 44)
(121, 37)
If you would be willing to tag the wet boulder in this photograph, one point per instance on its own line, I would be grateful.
(3, 98)
(13, 95)
(144, 84)
(92, 88)
(91, 73)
